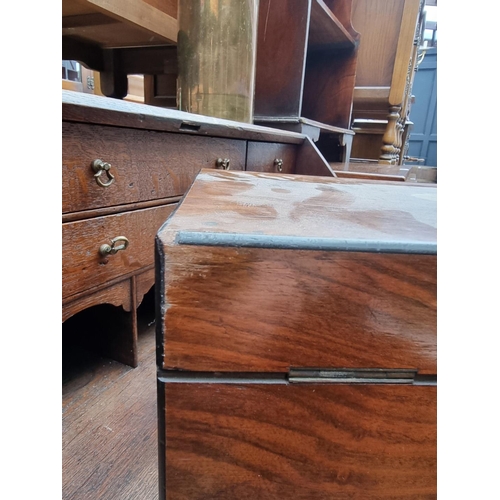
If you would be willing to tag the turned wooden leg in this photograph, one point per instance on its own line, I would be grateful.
(389, 140)
(399, 142)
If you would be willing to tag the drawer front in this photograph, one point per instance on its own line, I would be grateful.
(84, 267)
(145, 165)
(280, 441)
(264, 157)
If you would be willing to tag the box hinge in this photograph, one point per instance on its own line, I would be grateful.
(358, 376)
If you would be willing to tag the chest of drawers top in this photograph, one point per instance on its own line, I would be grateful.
(99, 110)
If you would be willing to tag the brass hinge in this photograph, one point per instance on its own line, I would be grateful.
(358, 376)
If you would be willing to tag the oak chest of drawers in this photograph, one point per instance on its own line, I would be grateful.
(297, 339)
(125, 166)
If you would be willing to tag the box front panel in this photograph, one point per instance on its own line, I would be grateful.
(310, 442)
(235, 309)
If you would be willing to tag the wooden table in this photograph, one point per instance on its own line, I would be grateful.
(123, 37)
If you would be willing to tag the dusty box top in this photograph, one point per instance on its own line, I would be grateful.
(303, 212)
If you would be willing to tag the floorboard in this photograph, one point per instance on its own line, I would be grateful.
(109, 420)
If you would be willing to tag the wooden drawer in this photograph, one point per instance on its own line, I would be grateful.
(263, 157)
(84, 267)
(320, 442)
(146, 165)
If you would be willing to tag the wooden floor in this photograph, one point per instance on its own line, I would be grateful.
(109, 418)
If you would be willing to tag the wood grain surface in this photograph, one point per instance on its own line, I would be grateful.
(378, 22)
(83, 267)
(109, 421)
(144, 282)
(342, 11)
(329, 87)
(281, 51)
(307, 207)
(147, 165)
(310, 443)
(88, 108)
(117, 294)
(405, 54)
(151, 25)
(326, 29)
(261, 157)
(370, 168)
(311, 162)
(260, 310)
(369, 176)
(250, 283)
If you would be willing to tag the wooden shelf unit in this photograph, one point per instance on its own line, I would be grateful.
(326, 29)
(306, 68)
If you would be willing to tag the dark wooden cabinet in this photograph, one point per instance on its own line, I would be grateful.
(305, 70)
(149, 157)
(297, 339)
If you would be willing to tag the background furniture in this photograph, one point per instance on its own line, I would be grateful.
(125, 166)
(390, 37)
(305, 68)
(296, 319)
(305, 73)
(120, 38)
(380, 171)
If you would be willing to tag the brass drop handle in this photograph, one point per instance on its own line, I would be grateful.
(100, 167)
(112, 249)
(278, 163)
(223, 163)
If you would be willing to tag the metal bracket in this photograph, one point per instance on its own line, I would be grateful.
(358, 376)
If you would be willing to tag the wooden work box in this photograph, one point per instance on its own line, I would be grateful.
(297, 339)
